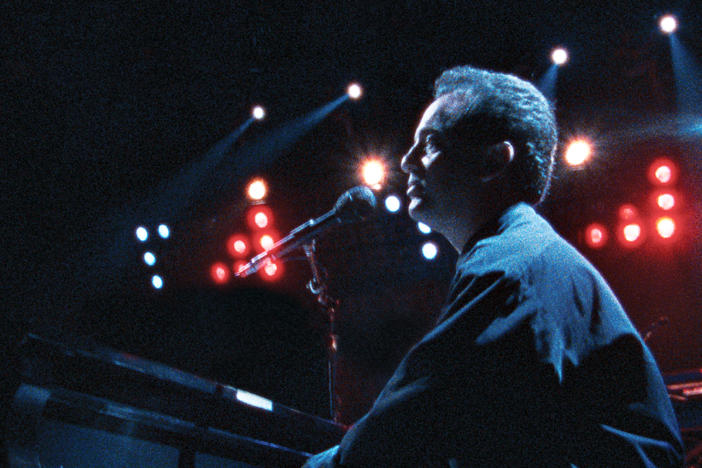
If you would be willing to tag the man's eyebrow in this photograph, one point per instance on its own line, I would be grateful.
(425, 132)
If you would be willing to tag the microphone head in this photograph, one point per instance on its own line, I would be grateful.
(356, 204)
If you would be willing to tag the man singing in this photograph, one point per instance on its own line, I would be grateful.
(533, 361)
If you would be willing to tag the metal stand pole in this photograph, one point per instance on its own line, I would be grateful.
(318, 286)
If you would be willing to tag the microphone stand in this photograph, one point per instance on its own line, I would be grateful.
(318, 286)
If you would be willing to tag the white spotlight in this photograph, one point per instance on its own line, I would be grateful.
(354, 91)
(668, 24)
(559, 56)
(142, 233)
(392, 203)
(423, 228)
(578, 152)
(157, 282)
(429, 250)
(164, 231)
(258, 113)
(149, 258)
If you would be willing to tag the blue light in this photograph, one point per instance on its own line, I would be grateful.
(157, 282)
(142, 233)
(254, 400)
(149, 258)
(423, 228)
(164, 231)
(429, 250)
(392, 203)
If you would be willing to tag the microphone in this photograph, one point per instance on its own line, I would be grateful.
(356, 204)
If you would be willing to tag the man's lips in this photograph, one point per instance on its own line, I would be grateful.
(414, 190)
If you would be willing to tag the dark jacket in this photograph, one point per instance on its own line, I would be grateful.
(533, 362)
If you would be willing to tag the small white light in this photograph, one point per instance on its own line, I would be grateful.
(668, 24)
(354, 91)
(142, 233)
(164, 231)
(392, 203)
(254, 400)
(257, 189)
(559, 56)
(429, 250)
(423, 228)
(578, 152)
(373, 172)
(157, 282)
(149, 258)
(258, 113)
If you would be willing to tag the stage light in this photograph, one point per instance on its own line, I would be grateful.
(628, 212)
(266, 241)
(164, 231)
(578, 152)
(258, 113)
(668, 24)
(142, 234)
(354, 91)
(632, 232)
(237, 245)
(157, 282)
(238, 266)
(662, 172)
(429, 250)
(254, 400)
(219, 273)
(596, 236)
(423, 228)
(665, 227)
(559, 56)
(665, 201)
(149, 258)
(392, 203)
(373, 172)
(257, 190)
(272, 271)
(259, 217)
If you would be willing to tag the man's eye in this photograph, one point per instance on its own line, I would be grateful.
(430, 145)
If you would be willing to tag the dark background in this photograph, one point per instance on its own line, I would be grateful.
(109, 110)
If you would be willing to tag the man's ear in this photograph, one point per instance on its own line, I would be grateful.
(497, 158)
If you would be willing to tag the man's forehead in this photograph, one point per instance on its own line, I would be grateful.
(443, 112)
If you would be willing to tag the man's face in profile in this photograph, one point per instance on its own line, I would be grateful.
(437, 176)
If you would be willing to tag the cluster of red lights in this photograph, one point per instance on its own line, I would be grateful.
(632, 227)
(260, 237)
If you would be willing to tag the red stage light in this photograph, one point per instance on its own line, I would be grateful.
(665, 200)
(272, 271)
(631, 233)
(219, 273)
(261, 220)
(238, 245)
(596, 235)
(628, 212)
(665, 226)
(238, 266)
(265, 240)
(259, 217)
(663, 171)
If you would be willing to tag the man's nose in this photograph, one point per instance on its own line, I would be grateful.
(409, 161)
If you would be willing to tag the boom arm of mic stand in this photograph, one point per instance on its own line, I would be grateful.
(318, 286)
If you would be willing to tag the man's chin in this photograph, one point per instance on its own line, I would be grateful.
(415, 211)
